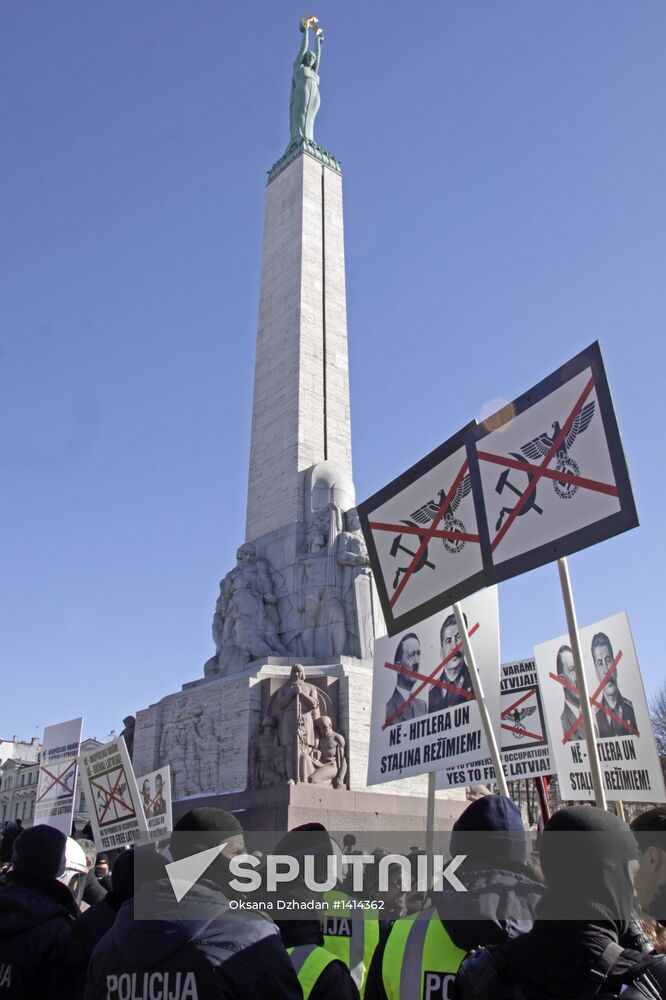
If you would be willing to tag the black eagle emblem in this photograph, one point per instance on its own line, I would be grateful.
(428, 512)
(538, 448)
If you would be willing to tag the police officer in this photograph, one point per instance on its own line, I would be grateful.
(37, 914)
(420, 957)
(322, 976)
(201, 947)
(350, 935)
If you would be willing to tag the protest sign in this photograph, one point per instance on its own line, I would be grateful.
(548, 471)
(525, 743)
(116, 812)
(623, 733)
(56, 786)
(155, 790)
(422, 537)
(424, 713)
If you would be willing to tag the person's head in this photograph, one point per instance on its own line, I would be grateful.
(90, 851)
(309, 58)
(567, 671)
(200, 829)
(408, 655)
(134, 868)
(352, 520)
(650, 831)
(499, 819)
(246, 554)
(19, 824)
(323, 726)
(129, 722)
(159, 784)
(101, 866)
(589, 860)
(40, 853)
(309, 839)
(449, 638)
(602, 654)
(145, 790)
(297, 672)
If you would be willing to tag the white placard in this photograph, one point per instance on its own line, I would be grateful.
(625, 741)
(155, 791)
(525, 743)
(116, 813)
(424, 714)
(56, 786)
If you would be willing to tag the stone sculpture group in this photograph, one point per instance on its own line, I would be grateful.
(328, 611)
(296, 742)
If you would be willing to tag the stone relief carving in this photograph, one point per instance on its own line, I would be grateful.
(189, 743)
(267, 757)
(296, 742)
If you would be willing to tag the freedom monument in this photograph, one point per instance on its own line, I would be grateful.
(278, 726)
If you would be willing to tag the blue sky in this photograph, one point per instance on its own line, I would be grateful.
(504, 172)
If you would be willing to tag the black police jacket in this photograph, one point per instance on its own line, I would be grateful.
(561, 960)
(223, 953)
(36, 920)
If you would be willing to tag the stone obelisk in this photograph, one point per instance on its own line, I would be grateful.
(301, 385)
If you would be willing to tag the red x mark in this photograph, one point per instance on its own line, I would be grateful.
(594, 700)
(111, 796)
(57, 780)
(426, 533)
(536, 472)
(513, 729)
(430, 679)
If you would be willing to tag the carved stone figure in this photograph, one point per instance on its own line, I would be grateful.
(356, 587)
(173, 742)
(305, 100)
(329, 755)
(298, 702)
(129, 725)
(246, 620)
(324, 630)
(267, 757)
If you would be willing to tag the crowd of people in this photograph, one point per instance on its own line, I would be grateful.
(561, 925)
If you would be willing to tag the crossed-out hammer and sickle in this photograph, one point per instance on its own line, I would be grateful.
(397, 546)
(504, 483)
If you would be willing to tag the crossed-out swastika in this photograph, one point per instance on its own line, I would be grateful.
(512, 708)
(58, 780)
(426, 534)
(537, 472)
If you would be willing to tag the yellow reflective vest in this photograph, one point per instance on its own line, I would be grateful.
(351, 935)
(420, 960)
(309, 961)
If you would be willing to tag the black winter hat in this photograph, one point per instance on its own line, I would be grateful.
(134, 868)
(491, 814)
(585, 854)
(40, 850)
(206, 827)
